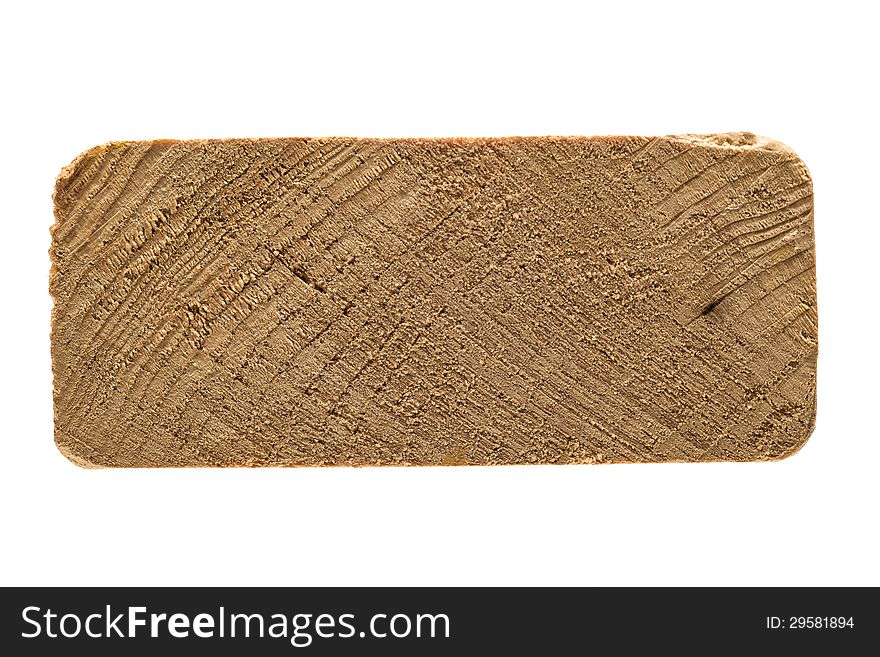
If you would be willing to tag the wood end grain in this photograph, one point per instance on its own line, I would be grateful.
(344, 301)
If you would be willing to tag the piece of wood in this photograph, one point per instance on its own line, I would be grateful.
(453, 301)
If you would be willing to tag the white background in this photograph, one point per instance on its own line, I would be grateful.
(78, 74)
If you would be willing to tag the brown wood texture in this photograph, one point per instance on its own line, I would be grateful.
(342, 301)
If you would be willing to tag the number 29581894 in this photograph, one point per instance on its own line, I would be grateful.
(810, 623)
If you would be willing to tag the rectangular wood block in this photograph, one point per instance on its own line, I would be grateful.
(338, 301)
